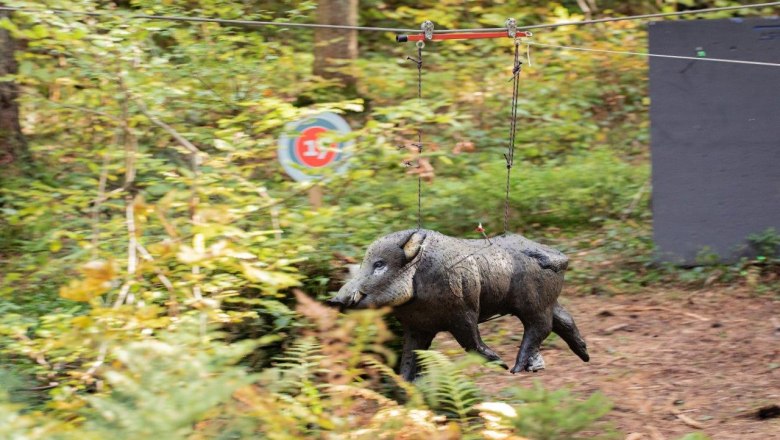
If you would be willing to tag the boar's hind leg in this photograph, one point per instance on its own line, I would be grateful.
(535, 331)
(413, 340)
(467, 335)
(564, 326)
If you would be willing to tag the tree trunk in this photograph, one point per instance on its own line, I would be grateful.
(13, 148)
(335, 48)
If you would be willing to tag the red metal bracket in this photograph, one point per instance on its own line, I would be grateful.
(460, 36)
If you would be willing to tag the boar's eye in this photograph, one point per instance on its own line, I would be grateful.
(379, 264)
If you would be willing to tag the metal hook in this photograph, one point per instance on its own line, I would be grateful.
(427, 28)
(511, 27)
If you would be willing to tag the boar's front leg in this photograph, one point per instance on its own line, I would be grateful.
(413, 340)
(466, 332)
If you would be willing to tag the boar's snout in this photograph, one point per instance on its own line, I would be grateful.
(343, 303)
(335, 303)
(349, 296)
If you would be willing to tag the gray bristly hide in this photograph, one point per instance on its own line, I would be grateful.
(438, 283)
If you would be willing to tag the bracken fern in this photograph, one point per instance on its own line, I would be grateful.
(295, 367)
(444, 386)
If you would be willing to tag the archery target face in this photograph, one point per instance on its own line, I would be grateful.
(304, 151)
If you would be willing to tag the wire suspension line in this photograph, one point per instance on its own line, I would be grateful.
(510, 153)
(611, 19)
(252, 23)
(653, 55)
(419, 62)
(649, 16)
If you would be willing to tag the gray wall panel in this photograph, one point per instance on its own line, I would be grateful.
(715, 136)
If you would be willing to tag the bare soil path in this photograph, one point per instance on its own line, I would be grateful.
(672, 362)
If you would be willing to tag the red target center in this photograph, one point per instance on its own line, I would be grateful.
(310, 152)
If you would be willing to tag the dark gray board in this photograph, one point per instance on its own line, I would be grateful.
(715, 137)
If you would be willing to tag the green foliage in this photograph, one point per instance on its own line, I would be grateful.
(695, 436)
(557, 415)
(164, 386)
(766, 244)
(575, 192)
(444, 386)
(156, 201)
(16, 425)
(295, 366)
(329, 382)
(185, 384)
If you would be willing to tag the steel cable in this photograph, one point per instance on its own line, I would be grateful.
(382, 29)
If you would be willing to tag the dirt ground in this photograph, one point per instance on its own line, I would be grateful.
(672, 362)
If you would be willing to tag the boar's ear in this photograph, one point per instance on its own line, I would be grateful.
(413, 244)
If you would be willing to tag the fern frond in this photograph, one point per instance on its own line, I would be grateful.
(414, 396)
(559, 415)
(296, 366)
(445, 386)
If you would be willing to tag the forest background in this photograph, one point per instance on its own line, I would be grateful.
(152, 248)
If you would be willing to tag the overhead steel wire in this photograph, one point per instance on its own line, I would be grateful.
(655, 55)
(251, 23)
(438, 31)
(650, 16)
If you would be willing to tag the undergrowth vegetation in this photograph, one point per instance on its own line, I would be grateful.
(149, 252)
(333, 380)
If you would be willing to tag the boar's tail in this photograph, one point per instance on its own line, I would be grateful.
(548, 259)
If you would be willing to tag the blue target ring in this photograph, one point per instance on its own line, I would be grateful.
(301, 153)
